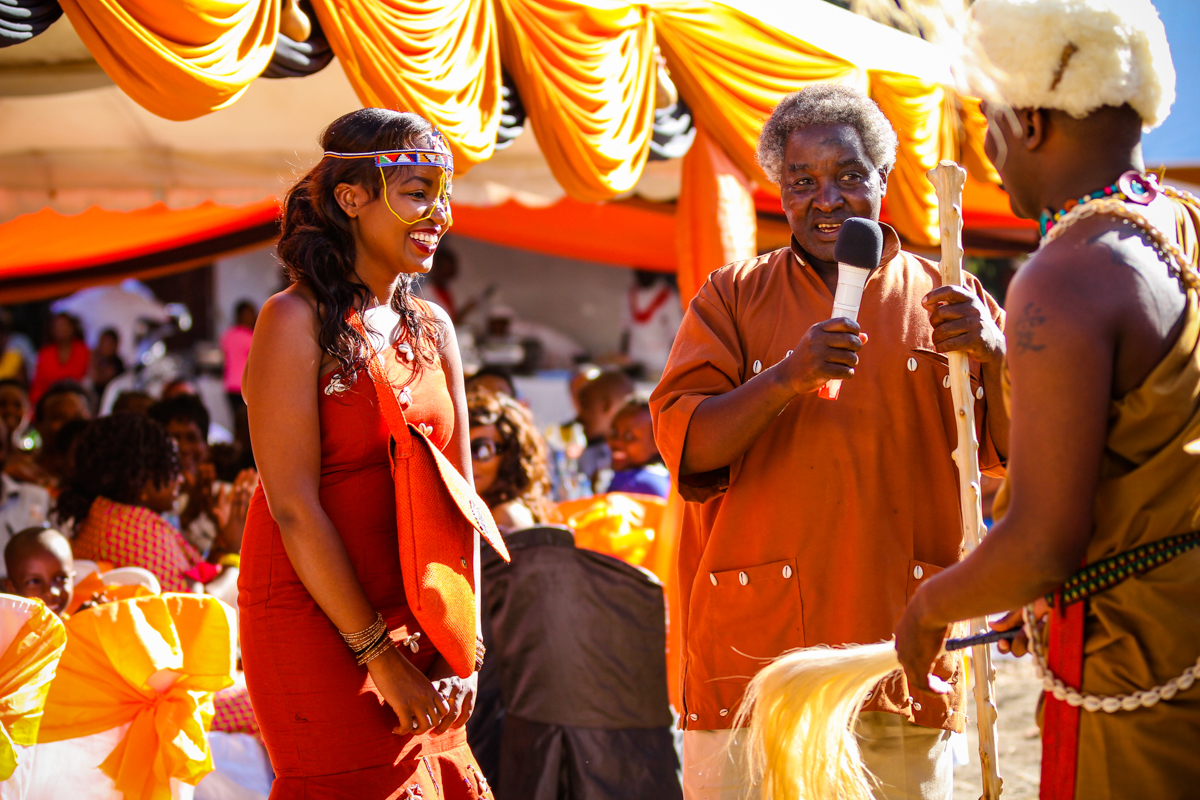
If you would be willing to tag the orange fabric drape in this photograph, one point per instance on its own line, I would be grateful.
(925, 126)
(974, 131)
(47, 254)
(732, 70)
(586, 76)
(46, 242)
(715, 220)
(437, 58)
(114, 653)
(631, 233)
(622, 525)
(179, 60)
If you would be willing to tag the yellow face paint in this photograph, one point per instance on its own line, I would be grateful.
(441, 199)
(416, 157)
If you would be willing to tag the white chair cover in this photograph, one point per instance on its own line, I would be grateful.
(69, 770)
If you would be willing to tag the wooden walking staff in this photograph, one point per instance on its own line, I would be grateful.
(948, 178)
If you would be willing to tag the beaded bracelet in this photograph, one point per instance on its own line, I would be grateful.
(480, 652)
(367, 636)
(375, 649)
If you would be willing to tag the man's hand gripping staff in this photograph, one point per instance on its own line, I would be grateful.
(948, 178)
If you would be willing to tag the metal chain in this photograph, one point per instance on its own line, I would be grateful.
(1108, 703)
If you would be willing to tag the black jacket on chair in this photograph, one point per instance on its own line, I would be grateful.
(576, 657)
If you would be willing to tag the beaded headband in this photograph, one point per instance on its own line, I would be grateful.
(415, 156)
(393, 158)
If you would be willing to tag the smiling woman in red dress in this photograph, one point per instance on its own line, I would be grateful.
(343, 712)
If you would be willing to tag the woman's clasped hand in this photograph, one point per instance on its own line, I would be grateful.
(418, 704)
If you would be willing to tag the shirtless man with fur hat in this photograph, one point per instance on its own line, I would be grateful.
(1104, 362)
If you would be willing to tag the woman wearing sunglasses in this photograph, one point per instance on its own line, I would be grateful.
(508, 459)
(351, 698)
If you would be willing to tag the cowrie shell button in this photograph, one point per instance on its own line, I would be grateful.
(789, 353)
(918, 573)
(712, 578)
(979, 393)
(757, 366)
(912, 365)
(743, 578)
(946, 382)
(916, 706)
(693, 717)
(724, 712)
(787, 571)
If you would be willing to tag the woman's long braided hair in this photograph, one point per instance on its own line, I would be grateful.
(317, 241)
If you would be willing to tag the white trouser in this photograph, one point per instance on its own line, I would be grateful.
(910, 762)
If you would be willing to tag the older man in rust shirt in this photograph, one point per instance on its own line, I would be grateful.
(812, 521)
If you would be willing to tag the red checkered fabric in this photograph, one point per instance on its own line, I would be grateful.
(233, 712)
(132, 536)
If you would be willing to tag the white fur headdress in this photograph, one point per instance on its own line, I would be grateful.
(1072, 55)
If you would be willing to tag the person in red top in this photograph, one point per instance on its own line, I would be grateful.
(344, 711)
(65, 356)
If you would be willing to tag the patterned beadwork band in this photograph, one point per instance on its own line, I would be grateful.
(1107, 573)
(394, 158)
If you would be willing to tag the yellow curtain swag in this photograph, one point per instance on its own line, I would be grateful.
(179, 59)
(437, 58)
(586, 75)
(916, 110)
(152, 662)
(585, 70)
(732, 70)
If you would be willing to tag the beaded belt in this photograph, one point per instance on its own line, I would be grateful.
(1095, 578)
(1107, 573)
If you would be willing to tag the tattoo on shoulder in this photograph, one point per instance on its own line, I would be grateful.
(1027, 324)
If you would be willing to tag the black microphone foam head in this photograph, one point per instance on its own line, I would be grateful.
(859, 243)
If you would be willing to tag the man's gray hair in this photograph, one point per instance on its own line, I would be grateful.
(826, 104)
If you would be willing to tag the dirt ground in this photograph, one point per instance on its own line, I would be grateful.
(1019, 745)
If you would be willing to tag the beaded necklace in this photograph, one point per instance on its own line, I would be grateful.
(1132, 187)
(1102, 575)
(1177, 262)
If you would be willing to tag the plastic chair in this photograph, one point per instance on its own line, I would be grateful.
(31, 643)
(132, 576)
(140, 672)
(83, 568)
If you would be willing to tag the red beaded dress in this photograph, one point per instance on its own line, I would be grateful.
(327, 729)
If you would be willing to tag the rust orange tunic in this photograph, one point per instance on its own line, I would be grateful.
(841, 508)
(326, 727)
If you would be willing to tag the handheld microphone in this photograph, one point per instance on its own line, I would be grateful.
(858, 251)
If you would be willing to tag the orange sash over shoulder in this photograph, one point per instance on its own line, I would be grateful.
(437, 517)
